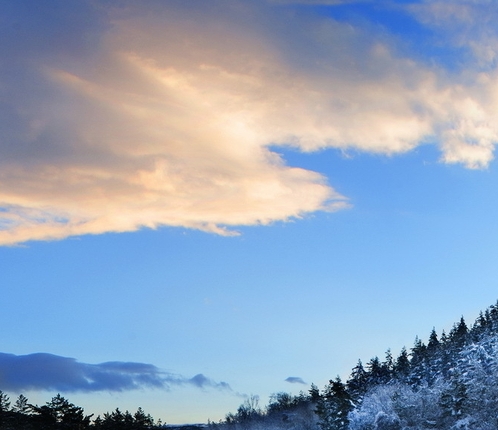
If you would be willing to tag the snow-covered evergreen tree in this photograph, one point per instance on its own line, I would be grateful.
(334, 406)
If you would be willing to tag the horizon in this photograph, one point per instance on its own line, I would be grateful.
(202, 201)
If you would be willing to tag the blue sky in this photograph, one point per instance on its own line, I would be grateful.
(205, 200)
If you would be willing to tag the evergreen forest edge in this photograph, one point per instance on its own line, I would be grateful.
(449, 383)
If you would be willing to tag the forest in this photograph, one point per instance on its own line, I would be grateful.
(448, 383)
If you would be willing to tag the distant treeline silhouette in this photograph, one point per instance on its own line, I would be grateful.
(59, 413)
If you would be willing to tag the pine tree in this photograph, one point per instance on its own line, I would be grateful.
(20, 413)
(487, 317)
(480, 325)
(59, 413)
(4, 408)
(314, 393)
(434, 358)
(493, 315)
(387, 367)
(375, 374)
(21, 405)
(357, 383)
(418, 362)
(458, 334)
(402, 365)
(433, 344)
(334, 406)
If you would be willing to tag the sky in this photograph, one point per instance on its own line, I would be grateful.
(206, 200)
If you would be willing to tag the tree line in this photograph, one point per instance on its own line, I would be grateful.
(448, 383)
(60, 414)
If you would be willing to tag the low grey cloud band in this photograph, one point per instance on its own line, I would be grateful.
(43, 371)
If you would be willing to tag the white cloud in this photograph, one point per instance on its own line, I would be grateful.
(171, 117)
(467, 24)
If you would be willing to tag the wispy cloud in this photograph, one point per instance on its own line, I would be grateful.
(165, 113)
(43, 371)
(295, 380)
(463, 24)
(318, 2)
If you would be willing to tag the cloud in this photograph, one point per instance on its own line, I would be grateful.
(149, 114)
(201, 381)
(463, 24)
(295, 380)
(158, 125)
(318, 2)
(43, 371)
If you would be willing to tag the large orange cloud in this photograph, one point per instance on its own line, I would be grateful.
(171, 119)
